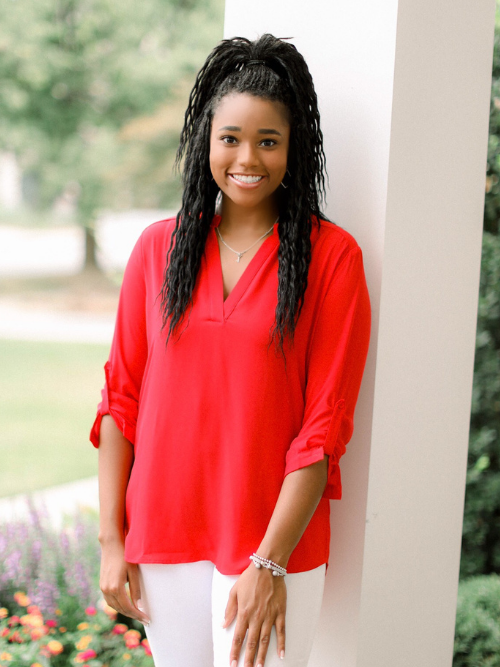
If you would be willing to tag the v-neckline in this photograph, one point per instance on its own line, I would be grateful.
(222, 308)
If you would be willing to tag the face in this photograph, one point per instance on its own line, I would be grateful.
(249, 148)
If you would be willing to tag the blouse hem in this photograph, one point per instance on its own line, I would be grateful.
(176, 559)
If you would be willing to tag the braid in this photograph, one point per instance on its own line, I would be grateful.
(277, 72)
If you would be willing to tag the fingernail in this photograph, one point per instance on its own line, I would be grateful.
(282, 655)
(223, 622)
(234, 663)
(139, 605)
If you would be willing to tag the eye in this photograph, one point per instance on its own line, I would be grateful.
(268, 143)
(228, 139)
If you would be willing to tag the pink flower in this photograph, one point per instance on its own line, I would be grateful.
(91, 611)
(147, 649)
(13, 620)
(120, 629)
(51, 623)
(132, 642)
(89, 654)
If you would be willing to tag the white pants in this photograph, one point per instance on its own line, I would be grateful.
(186, 605)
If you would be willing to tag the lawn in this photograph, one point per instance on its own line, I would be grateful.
(48, 398)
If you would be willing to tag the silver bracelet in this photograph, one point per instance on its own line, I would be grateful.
(259, 562)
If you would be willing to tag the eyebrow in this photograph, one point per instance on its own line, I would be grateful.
(264, 130)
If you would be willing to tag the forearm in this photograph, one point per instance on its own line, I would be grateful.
(116, 456)
(299, 497)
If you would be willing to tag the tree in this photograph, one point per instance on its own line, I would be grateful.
(75, 73)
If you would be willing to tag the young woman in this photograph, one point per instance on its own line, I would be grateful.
(239, 347)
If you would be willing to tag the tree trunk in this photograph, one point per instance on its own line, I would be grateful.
(90, 250)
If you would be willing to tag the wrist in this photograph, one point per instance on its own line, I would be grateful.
(276, 555)
(111, 538)
(267, 564)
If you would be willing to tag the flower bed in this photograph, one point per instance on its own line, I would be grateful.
(51, 610)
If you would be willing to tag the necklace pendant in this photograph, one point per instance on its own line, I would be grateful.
(239, 257)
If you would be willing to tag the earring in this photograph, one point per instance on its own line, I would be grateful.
(218, 203)
(283, 181)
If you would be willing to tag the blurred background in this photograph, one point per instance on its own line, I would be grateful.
(92, 97)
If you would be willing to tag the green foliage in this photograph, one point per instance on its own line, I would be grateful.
(481, 532)
(75, 73)
(492, 199)
(477, 631)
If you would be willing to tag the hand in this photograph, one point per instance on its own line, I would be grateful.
(258, 601)
(115, 572)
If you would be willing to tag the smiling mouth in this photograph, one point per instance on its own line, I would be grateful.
(246, 179)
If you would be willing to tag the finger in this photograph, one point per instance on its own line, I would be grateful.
(239, 636)
(280, 633)
(231, 608)
(121, 602)
(264, 639)
(135, 591)
(113, 603)
(252, 644)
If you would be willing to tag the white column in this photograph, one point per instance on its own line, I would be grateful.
(404, 94)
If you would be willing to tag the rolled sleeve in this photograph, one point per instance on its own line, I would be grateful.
(124, 369)
(335, 366)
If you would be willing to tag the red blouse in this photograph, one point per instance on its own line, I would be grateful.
(216, 418)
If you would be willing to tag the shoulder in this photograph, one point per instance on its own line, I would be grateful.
(330, 245)
(157, 232)
(154, 242)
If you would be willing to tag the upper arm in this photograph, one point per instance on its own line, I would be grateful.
(124, 369)
(335, 365)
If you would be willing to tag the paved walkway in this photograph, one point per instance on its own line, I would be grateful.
(57, 501)
(23, 323)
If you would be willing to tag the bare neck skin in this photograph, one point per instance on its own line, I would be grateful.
(246, 223)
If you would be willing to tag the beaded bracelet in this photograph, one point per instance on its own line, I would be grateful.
(259, 562)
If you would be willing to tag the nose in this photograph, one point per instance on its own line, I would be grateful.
(247, 155)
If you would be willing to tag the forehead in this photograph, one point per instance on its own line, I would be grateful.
(245, 110)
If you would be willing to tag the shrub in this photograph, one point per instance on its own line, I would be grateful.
(477, 632)
(27, 639)
(481, 530)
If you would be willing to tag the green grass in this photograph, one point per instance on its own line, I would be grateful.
(48, 398)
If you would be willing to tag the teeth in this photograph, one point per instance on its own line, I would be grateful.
(247, 179)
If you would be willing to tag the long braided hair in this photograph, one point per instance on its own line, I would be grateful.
(274, 70)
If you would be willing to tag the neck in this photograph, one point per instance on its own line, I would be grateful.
(254, 221)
